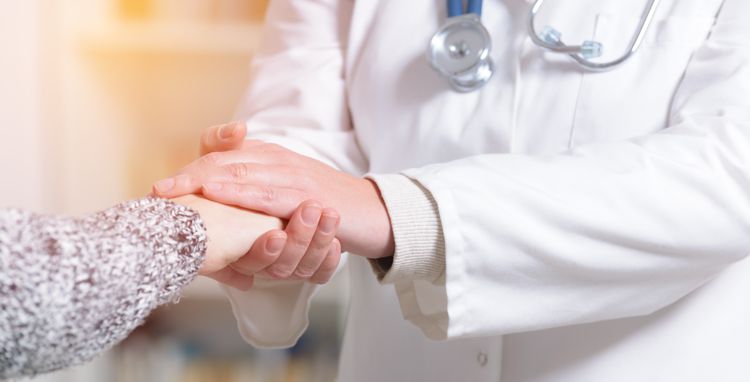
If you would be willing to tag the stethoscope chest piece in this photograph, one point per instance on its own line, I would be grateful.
(460, 52)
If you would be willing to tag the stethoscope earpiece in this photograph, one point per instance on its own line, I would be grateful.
(551, 39)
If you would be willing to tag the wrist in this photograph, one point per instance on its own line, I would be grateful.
(368, 231)
(231, 231)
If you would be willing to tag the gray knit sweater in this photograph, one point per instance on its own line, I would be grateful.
(71, 288)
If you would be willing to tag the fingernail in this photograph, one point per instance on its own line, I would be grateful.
(227, 131)
(328, 224)
(275, 245)
(213, 186)
(164, 185)
(311, 215)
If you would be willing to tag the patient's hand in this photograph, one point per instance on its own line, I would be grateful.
(231, 233)
(242, 243)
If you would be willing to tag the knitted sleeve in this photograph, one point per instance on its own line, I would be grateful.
(71, 288)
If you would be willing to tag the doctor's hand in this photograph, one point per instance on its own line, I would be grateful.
(242, 244)
(227, 137)
(307, 249)
(269, 178)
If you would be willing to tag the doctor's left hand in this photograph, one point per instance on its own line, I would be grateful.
(271, 179)
(305, 249)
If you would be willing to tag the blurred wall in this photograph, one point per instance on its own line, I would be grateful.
(99, 98)
(21, 145)
(95, 105)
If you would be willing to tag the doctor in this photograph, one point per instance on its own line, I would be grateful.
(557, 224)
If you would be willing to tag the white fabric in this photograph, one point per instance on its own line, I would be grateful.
(596, 224)
(419, 252)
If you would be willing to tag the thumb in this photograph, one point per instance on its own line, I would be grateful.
(223, 138)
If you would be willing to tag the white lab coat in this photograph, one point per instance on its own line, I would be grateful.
(596, 224)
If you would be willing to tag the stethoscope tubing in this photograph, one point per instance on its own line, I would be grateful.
(483, 67)
(635, 43)
(456, 7)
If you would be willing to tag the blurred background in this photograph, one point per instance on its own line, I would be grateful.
(102, 97)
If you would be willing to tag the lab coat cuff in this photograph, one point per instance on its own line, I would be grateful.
(417, 232)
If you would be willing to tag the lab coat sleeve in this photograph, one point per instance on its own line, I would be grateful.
(297, 96)
(297, 99)
(607, 230)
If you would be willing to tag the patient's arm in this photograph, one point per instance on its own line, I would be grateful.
(73, 287)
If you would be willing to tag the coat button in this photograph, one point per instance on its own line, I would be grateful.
(482, 359)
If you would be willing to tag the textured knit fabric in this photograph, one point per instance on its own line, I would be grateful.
(417, 232)
(71, 288)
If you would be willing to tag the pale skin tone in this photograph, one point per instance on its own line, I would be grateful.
(233, 233)
(278, 182)
(302, 246)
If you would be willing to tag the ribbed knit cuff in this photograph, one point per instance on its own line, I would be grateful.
(417, 232)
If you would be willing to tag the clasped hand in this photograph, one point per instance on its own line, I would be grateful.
(310, 196)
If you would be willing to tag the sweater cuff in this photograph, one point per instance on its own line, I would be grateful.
(417, 232)
(174, 235)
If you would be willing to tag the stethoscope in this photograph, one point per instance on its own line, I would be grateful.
(460, 50)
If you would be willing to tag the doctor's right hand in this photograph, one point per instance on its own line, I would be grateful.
(307, 249)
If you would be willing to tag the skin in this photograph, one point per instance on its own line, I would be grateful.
(230, 232)
(271, 179)
(306, 249)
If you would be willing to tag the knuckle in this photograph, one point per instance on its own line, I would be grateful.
(279, 272)
(238, 171)
(267, 195)
(299, 240)
(304, 272)
(308, 266)
(210, 159)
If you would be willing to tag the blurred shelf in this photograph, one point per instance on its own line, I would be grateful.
(173, 37)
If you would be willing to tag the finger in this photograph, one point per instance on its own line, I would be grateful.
(264, 252)
(300, 231)
(249, 151)
(176, 186)
(192, 178)
(329, 266)
(277, 202)
(234, 279)
(251, 173)
(223, 138)
(320, 244)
